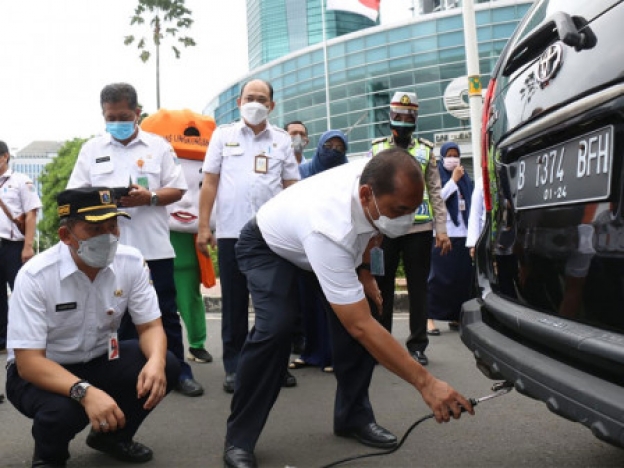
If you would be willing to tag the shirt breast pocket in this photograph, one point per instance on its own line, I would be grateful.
(102, 172)
(152, 170)
(232, 151)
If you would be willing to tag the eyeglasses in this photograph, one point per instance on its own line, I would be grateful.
(337, 146)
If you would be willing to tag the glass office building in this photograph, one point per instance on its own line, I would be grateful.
(351, 91)
(278, 27)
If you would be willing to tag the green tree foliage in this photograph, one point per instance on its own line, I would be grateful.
(164, 17)
(54, 180)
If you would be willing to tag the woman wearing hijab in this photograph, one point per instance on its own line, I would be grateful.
(330, 152)
(449, 279)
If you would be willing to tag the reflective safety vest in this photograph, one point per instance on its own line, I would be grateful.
(424, 213)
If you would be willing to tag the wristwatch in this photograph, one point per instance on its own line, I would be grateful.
(78, 391)
(154, 199)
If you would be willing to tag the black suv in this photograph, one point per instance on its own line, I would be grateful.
(549, 316)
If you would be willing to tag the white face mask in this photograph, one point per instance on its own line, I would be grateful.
(392, 227)
(297, 143)
(254, 112)
(450, 163)
(98, 251)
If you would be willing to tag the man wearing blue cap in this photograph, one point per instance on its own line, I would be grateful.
(66, 367)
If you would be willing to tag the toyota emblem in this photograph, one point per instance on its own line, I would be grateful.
(549, 63)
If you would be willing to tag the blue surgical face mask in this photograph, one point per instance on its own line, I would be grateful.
(121, 130)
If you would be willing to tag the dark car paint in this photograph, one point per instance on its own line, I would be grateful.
(550, 316)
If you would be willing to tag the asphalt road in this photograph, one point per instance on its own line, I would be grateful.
(510, 431)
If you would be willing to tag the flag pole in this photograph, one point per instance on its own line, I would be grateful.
(474, 84)
(325, 65)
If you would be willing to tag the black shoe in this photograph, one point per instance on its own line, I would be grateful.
(128, 451)
(453, 326)
(289, 380)
(190, 387)
(199, 355)
(420, 357)
(235, 457)
(371, 434)
(39, 463)
(228, 384)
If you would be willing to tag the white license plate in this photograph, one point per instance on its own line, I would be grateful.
(578, 170)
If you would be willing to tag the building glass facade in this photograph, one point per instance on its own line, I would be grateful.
(365, 68)
(32, 160)
(274, 27)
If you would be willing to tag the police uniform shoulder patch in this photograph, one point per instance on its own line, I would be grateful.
(426, 142)
(376, 141)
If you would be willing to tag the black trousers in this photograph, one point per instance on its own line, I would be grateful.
(234, 305)
(161, 272)
(272, 282)
(57, 418)
(10, 263)
(416, 251)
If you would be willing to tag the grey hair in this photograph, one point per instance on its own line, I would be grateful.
(117, 92)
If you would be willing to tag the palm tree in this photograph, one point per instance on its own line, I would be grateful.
(169, 16)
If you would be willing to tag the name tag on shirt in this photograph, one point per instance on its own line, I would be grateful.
(66, 306)
(462, 204)
(102, 159)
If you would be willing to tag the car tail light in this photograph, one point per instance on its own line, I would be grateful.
(485, 143)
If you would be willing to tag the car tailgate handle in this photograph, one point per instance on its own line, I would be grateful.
(572, 31)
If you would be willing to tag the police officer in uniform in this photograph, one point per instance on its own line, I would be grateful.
(18, 197)
(415, 246)
(66, 367)
(127, 156)
(247, 163)
(329, 235)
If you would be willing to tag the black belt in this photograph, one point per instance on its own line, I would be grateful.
(9, 241)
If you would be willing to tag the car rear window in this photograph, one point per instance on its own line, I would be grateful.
(588, 9)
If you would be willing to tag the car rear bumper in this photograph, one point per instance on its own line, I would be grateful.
(567, 391)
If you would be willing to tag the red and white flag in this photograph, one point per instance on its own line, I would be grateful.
(369, 8)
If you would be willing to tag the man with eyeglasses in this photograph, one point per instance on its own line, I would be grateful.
(415, 246)
(248, 162)
(128, 157)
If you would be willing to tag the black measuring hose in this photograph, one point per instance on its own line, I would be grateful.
(394, 449)
(383, 452)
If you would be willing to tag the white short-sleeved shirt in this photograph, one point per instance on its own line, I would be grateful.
(327, 234)
(19, 194)
(56, 307)
(149, 158)
(242, 191)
